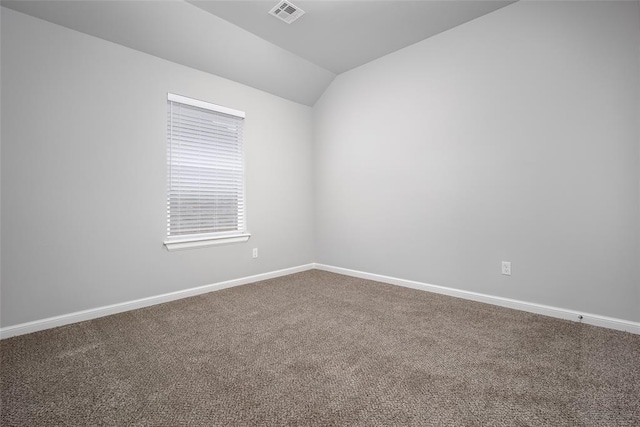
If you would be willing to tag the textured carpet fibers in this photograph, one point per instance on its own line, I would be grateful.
(321, 349)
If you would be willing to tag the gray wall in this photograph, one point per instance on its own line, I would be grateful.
(83, 175)
(512, 137)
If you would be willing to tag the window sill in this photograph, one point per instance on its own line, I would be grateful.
(177, 245)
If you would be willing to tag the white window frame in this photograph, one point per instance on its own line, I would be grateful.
(203, 239)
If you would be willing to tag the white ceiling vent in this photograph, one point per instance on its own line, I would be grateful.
(286, 12)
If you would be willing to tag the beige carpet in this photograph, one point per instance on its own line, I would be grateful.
(320, 349)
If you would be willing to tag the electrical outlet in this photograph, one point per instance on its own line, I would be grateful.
(255, 252)
(506, 268)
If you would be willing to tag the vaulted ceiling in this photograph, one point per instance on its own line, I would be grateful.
(341, 35)
(240, 41)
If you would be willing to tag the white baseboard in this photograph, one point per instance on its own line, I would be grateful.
(560, 313)
(80, 316)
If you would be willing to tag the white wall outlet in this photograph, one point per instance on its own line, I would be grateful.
(255, 252)
(506, 268)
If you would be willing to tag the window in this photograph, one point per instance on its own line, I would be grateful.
(205, 174)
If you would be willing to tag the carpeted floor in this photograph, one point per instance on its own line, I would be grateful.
(320, 349)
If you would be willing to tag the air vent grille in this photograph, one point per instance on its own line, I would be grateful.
(286, 12)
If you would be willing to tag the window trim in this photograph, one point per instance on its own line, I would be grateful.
(206, 105)
(205, 240)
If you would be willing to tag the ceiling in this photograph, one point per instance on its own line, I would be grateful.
(240, 41)
(180, 32)
(341, 35)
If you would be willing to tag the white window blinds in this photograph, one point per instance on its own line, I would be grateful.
(205, 197)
